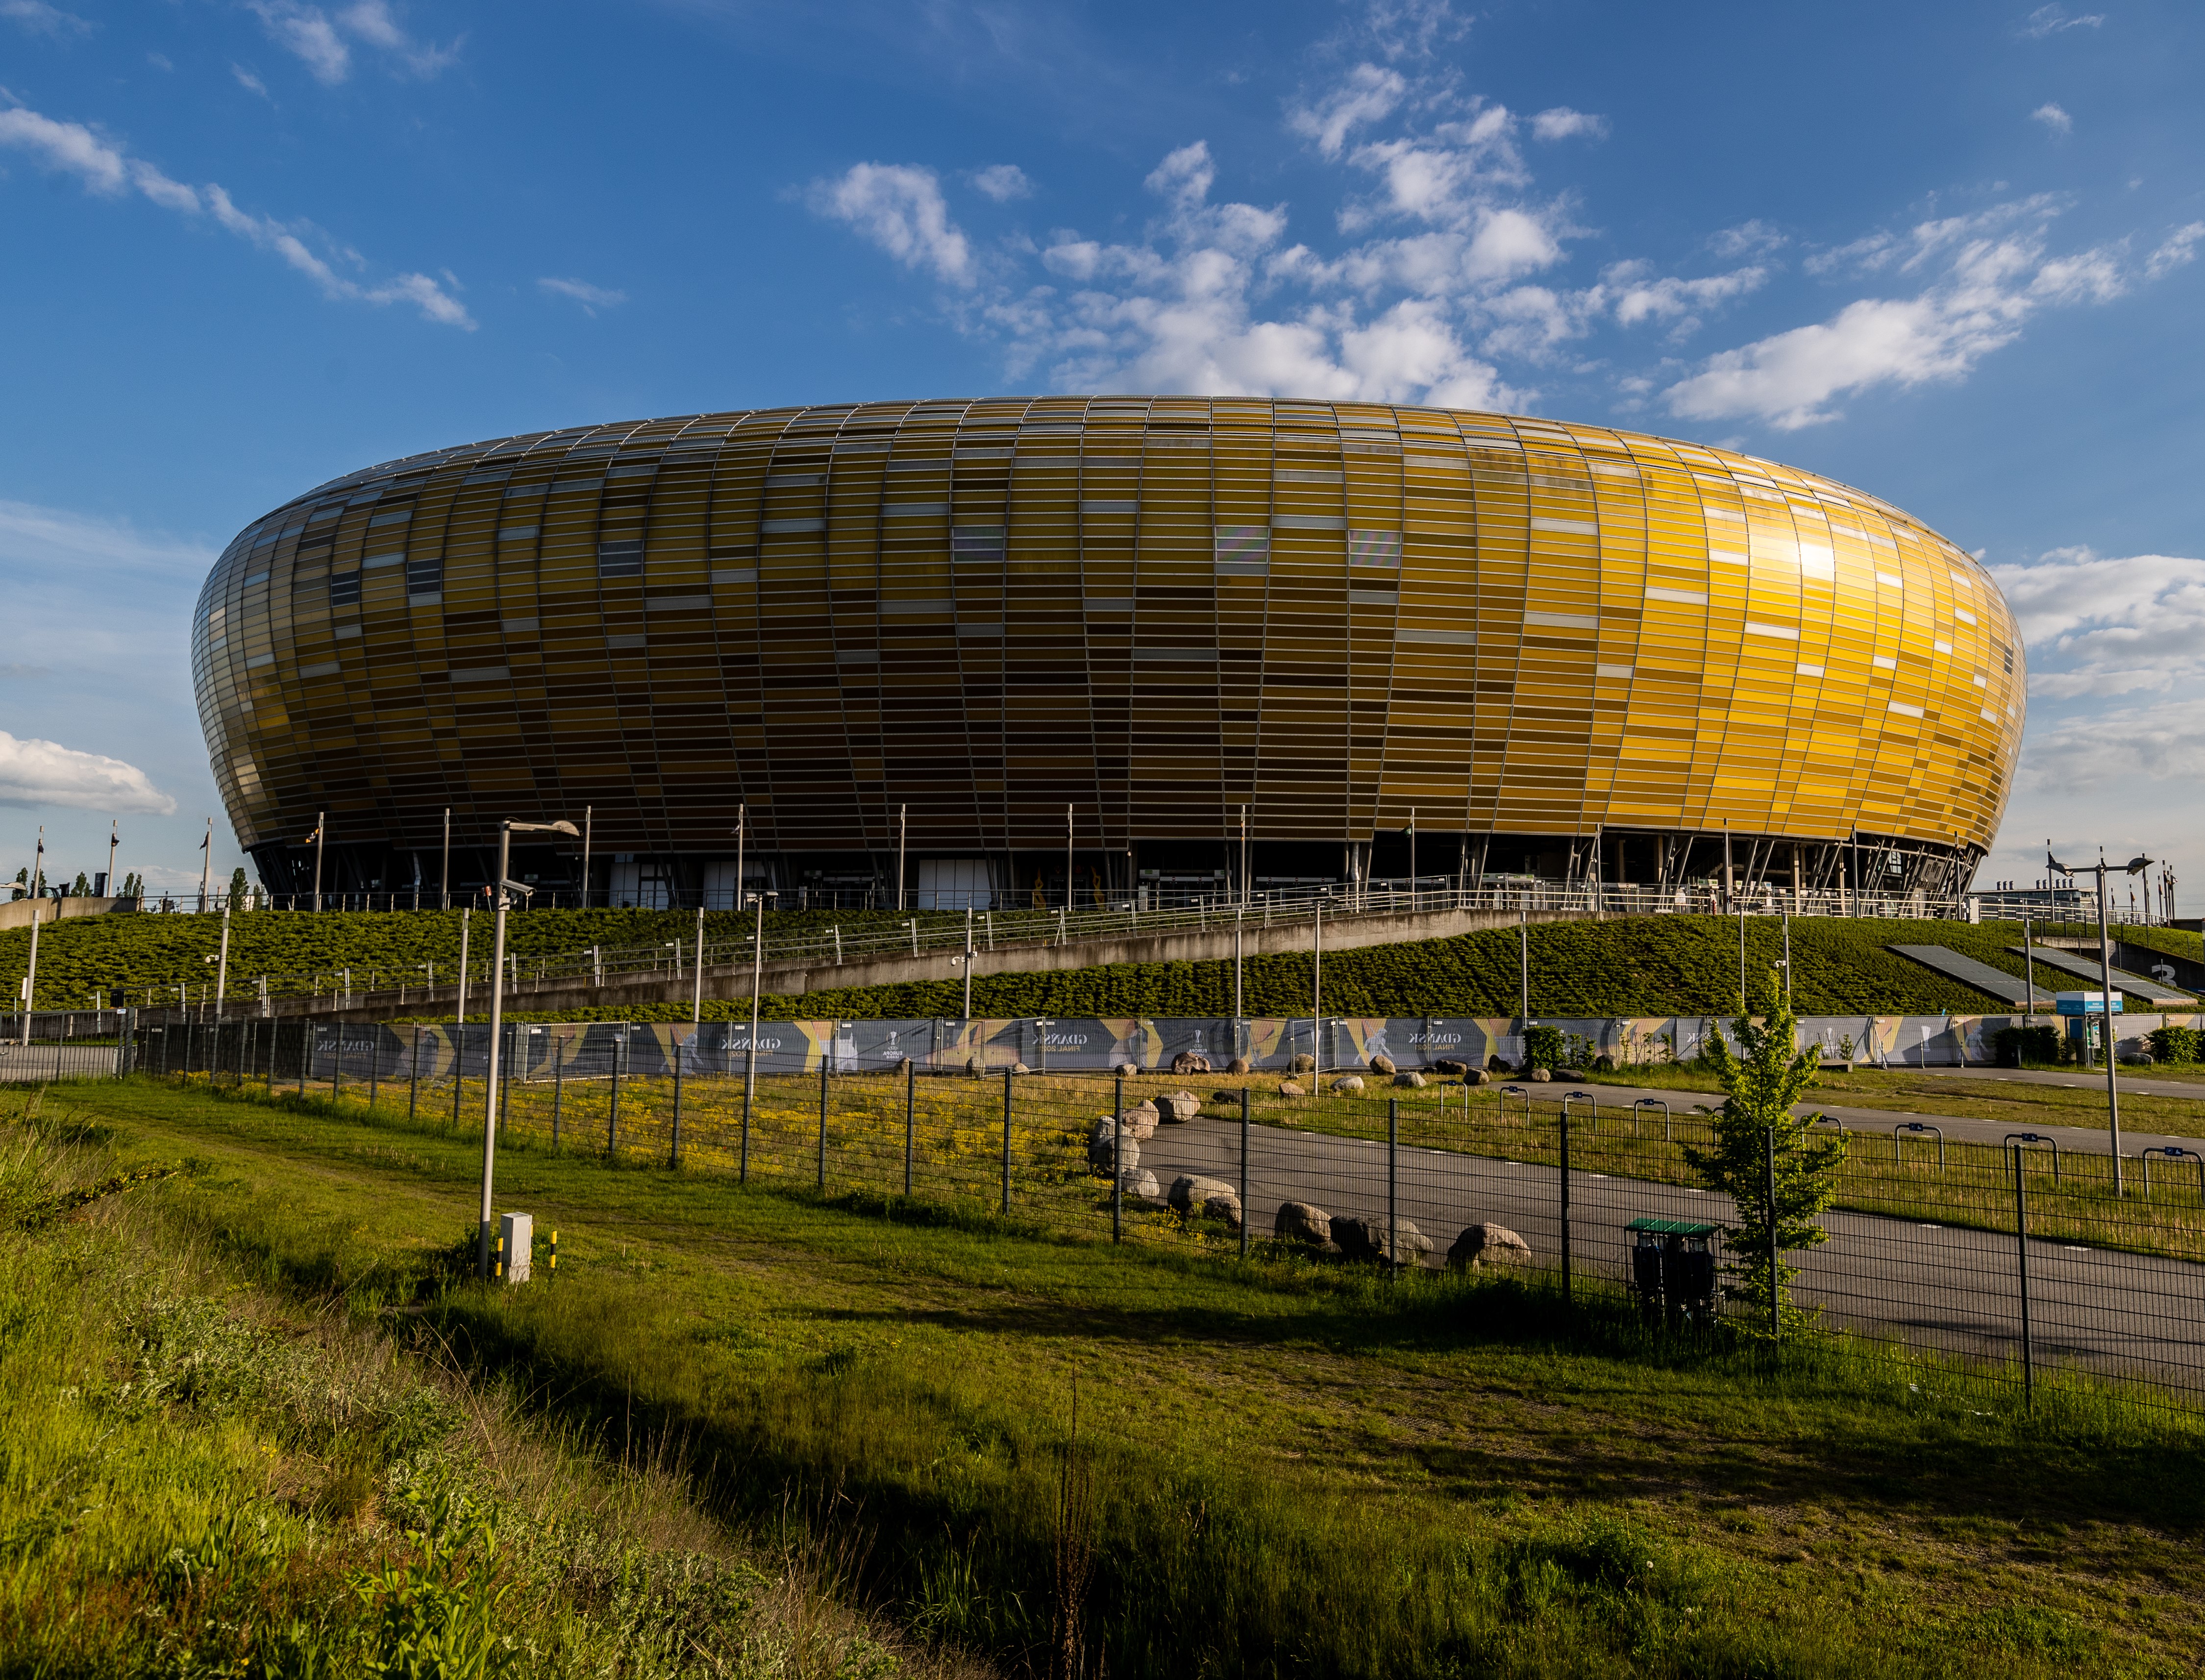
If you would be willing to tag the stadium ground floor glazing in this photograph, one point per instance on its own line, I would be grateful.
(1649, 865)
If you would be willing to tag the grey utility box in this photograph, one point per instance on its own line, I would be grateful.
(516, 1234)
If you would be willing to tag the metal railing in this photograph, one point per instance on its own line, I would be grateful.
(1986, 1267)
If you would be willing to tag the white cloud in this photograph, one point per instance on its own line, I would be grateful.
(318, 38)
(106, 169)
(36, 17)
(2178, 248)
(2052, 20)
(592, 298)
(2100, 625)
(1561, 123)
(2053, 118)
(1995, 275)
(1370, 94)
(45, 773)
(1747, 239)
(1003, 182)
(2114, 748)
(899, 208)
(247, 80)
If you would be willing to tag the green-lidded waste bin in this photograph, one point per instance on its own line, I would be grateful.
(1673, 1266)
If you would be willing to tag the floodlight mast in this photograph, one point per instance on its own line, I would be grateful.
(505, 887)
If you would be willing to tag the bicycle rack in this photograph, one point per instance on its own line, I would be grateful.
(2171, 1154)
(2041, 1141)
(1662, 1103)
(1916, 1128)
(1508, 1091)
(1583, 1096)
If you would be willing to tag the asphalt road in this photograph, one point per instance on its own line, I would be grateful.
(1940, 1287)
(2087, 1140)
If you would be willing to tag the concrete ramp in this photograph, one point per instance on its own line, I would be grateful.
(2136, 985)
(2009, 988)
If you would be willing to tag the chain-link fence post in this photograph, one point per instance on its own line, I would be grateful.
(1118, 1164)
(1768, 1208)
(1006, 1140)
(459, 1067)
(612, 1111)
(1392, 1186)
(413, 1079)
(909, 1118)
(1244, 1172)
(2021, 1264)
(825, 1059)
(1567, 1281)
(558, 1087)
(674, 1153)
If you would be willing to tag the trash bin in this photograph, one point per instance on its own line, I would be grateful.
(1672, 1268)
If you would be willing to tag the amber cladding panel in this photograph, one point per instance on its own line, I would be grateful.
(1155, 611)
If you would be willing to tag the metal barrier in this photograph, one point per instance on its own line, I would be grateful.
(1916, 1128)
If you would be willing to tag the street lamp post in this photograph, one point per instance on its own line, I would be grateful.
(31, 891)
(505, 888)
(2102, 869)
(206, 862)
(321, 823)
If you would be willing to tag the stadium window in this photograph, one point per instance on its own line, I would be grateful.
(344, 589)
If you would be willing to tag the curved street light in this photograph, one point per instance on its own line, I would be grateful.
(506, 888)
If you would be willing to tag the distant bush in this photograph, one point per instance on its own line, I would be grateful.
(1545, 1047)
(2175, 1044)
(2018, 1047)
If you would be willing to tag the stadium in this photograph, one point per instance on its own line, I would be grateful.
(1103, 650)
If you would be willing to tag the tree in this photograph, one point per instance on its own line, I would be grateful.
(80, 887)
(238, 888)
(1755, 1123)
(134, 886)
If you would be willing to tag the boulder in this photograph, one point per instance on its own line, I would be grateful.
(1367, 1239)
(1477, 1076)
(1126, 1070)
(1348, 1085)
(1141, 1119)
(1106, 1154)
(1304, 1222)
(1487, 1244)
(1020, 1067)
(1187, 1062)
(1288, 1088)
(1303, 1063)
(976, 1067)
(1539, 1076)
(1450, 1068)
(1382, 1065)
(1239, 1064)
(1179, 1107)
(1605, 1064)
(1229, 1099)
(1140, 1182)
(1410, 1081)
(1196, 1197)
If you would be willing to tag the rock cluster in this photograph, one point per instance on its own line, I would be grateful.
(1485, 1245)
(1196, 1196)
(1187, 1062)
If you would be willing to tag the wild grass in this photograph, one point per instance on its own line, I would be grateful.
(1295, 1468)
(204, 1476)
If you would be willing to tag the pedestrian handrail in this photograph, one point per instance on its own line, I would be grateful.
(2035, 1140)
(1661, 1103)
(1906, 1128)
(2172, 1153)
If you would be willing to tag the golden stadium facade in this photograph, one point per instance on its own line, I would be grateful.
(1553, 649)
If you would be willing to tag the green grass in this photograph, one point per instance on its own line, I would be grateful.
(205, 1475)
(1654, 965)
(1285, 1468)
(1634, 966)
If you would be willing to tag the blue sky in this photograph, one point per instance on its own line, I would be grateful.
(1946, 253)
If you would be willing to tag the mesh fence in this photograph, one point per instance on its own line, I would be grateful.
(2021, 1258)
